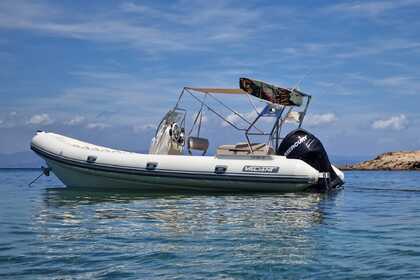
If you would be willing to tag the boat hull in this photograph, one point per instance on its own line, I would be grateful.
(76, 176)
(84, 165)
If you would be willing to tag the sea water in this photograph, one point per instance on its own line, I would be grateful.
(368, 230)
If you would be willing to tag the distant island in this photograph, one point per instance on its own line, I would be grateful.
(402, 160)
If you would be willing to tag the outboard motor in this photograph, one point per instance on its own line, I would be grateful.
(300, 144)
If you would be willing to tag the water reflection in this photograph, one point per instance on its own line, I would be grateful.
(298, 210)
(270, 226)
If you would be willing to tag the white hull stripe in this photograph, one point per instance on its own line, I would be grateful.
(172, 173)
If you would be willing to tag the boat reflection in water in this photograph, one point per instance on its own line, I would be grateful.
(266, 228)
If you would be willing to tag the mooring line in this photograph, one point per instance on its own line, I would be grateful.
(44, 171)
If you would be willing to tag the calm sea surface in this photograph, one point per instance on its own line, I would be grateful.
(371, 229)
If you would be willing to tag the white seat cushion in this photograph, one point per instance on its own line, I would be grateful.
(243, 149)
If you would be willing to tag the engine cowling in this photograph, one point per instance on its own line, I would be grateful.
(303, 145)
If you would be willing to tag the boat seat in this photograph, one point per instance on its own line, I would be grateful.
(243, 149)
(197, 143)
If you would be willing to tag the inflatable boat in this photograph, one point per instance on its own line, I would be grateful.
(177, 159)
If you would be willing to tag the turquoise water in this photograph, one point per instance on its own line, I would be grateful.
(371, 229)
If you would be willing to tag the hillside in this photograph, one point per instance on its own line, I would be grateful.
(403, 160)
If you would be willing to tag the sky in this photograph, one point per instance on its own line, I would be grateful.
(107, 71)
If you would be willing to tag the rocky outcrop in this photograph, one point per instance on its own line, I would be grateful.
(390, 161)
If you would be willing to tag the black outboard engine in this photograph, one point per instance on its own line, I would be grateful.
(300, 144)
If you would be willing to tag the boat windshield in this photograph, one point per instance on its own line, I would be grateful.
(174, 116)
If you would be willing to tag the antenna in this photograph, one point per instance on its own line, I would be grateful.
(301, 79)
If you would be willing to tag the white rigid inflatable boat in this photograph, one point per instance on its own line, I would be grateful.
(170, 165)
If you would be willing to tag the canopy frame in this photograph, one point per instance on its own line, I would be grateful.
(274, 135)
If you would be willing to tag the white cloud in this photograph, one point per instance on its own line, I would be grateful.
(184, 26)
(136, 8)
(233, 118)
(41, 119)
(9, 120)
(378, 47)
(400, 83)
(143, 128)
(393, 81)
(394, 122)
(310, 49)
(24, 15)
(370, 8)
(320, 119)
(100, 75)
(97, 125)
(250, 116)
(7, 123)
(75, 121)
(97, 100)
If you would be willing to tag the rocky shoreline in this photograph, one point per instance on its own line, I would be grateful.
(389, 161)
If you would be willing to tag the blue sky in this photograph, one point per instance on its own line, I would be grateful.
(106, 71)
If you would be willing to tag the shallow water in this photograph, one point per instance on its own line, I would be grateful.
(371, 229)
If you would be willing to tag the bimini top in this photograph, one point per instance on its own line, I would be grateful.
(262, 90)
(218, 90)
